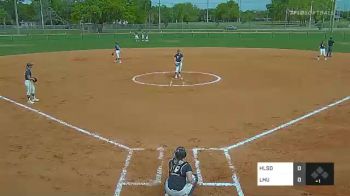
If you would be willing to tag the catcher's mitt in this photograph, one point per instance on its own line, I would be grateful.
(35, 79)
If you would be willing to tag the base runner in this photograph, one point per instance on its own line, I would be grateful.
(29, 84)
(178, 60)
(181, 181)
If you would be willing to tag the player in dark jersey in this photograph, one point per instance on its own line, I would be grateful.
(181, 181)
(330, 47)
(117, 53)
(322, 51)
(178, 60)
(29, 84)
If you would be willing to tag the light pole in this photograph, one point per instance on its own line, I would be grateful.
(239, 10)
(16, 13)
(310, 14)
(42, 15)
(334, 8)
(159, 15)
(207, 11)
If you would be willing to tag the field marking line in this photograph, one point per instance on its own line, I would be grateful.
(216, 79)
(121, 180)
(308, 115)
(197, 163)
(160, 168)
(234, 175)
(81, 130)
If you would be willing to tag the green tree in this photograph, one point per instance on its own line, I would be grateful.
(186, 12)
(228, 11)
(3, 15)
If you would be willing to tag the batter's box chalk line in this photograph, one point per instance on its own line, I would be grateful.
(171, 82)
(158, 176)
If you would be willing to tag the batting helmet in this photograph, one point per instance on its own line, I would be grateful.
(180, 153)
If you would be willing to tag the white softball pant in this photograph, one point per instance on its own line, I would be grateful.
(323, 52)
(178, 67)
(30, 87)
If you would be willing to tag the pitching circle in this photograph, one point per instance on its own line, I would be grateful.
(137, 79)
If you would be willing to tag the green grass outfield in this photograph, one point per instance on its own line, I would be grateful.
(64, 42)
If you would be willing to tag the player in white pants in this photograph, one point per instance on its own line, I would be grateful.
(29, 84)
(178, 60)
(117, 53)
(322, 51)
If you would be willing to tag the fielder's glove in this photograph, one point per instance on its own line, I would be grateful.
(35, 79)
(112, 53)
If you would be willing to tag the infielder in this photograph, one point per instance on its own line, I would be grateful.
(29, 84)
(181, 181)
(322, 51)
(330, 47)
(117, 53)
(178, 60)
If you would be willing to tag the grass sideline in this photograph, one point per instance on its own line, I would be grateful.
(10, 45)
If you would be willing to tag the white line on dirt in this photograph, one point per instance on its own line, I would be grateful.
(234, 176)
(308, 115)
(81, 130)
(122, 177)
(197, 164)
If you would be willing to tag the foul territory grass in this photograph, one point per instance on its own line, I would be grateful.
(63, 42)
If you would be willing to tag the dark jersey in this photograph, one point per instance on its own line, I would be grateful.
(322, 46)
(178, 57)
(177, 174)
(330, 42)
(27, 74)
(117, 47)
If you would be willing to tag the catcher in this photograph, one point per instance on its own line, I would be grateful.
(117, 53)
(181, 181)
(30, 84)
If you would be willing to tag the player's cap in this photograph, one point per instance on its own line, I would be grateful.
(178, 50)
(29, 64)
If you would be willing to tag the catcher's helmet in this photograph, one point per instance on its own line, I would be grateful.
(180, 153)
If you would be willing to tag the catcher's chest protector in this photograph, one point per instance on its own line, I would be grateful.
(175, 169)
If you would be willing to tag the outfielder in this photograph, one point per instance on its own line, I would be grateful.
(178, 60)
(181, 181)
(29, 84)
(117, 53)
(322, 51)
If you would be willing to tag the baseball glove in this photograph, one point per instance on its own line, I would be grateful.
(112, 53)
(35, 79)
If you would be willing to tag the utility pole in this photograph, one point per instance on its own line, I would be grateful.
(16, 13)
(333, 15)
(159, 15)
(42, 15)
(310, 14)
(239, 10)
(207, 11)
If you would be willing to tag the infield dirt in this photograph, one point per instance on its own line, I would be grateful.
(260, 89)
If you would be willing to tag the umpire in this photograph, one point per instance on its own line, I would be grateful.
(330, 47)
(181, 181)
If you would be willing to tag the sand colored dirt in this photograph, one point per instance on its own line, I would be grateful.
(260, 89)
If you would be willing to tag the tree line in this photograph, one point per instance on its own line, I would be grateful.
(142, 11)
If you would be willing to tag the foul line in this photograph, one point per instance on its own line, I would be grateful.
(84, 131)
(308, 115)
